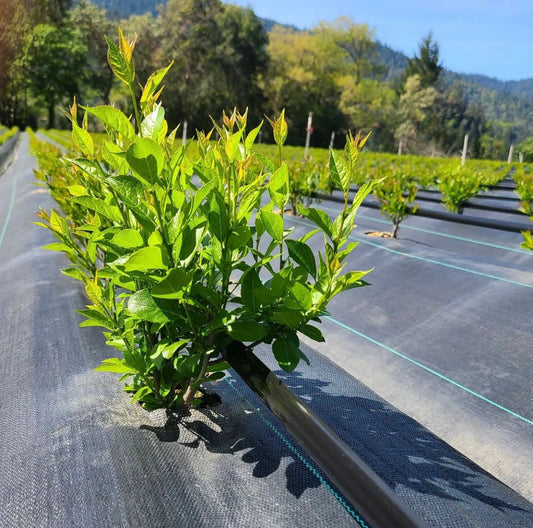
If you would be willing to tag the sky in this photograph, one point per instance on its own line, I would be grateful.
(489, 37)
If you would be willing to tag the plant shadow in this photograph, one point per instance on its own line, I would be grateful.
(402, 452)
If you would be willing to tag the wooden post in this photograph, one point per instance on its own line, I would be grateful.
(184, 136)
(332, 140)
(465, 148)
(309, 129)
(520, 157)
(400, 147)
(511, 151)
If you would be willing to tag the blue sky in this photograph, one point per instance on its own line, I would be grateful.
(489, 37)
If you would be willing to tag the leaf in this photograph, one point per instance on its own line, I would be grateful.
(250, 138)
(141, 393)
(303, 255)
(339, 171)
(247, 331)
(232, 145)
(75, 273)
(77, 190)
(313, 332)
(289, 318)
(146, 159)
(218, 217)
(278, 186)
(112, 118)
(173, 285)
(111, 212)
(114, 365)
(302, 296)
(153, 83)
(287, 354)
(142, 305)
(273, 223)
(95, 318)
(280, 129)
(318, 217)
(153, 123)
(83, 140)
(128, 239)
(147, 258)
(249, 284)
(120, 65)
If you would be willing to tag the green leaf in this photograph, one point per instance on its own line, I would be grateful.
(146, 159)
(303, 255)
(142, 305)
(114, 365)
(173, 285)
(113, 119)
(218, 217)
(128, 239)
(250, 138)
(95, 318)
(111, 212)
(77, 190)
(313, 332)
(250, 283)
(318, 217)
(83, 140)
(273, 223)
(287, 354)
(147, 258)
(247, 331)
(141, 393)
(278, 186)
(289, 318)
(153, 123)
(339, 171)
(302, 296)
(153, 83)
(121, 67)
(75, 273)
(232, 145)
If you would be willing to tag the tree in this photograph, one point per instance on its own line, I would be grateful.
(414, 104)
(14, 25)
(52, 59)
(357, 41)
(426, 63)
(303, 77)
(189, 36)
(243, 55)
(92, 24)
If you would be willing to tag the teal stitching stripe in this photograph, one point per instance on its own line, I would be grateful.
(431, 261)
(300, 457)
(10, 208)
(430, 370)
(438, 233)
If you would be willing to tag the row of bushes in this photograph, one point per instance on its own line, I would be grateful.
(6, 134)
(398, 178)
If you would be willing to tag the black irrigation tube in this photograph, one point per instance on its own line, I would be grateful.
(374, 500)
(502, 225)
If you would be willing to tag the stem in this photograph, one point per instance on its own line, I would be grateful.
(135, 108)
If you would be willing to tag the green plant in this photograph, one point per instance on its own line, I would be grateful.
(396, 193)
(8, 134)
(179, 257)
(457, 186)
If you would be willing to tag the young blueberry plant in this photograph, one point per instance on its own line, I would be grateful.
(396, 193)
(182, 257)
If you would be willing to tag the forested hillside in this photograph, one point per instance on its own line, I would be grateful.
(226, 56)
